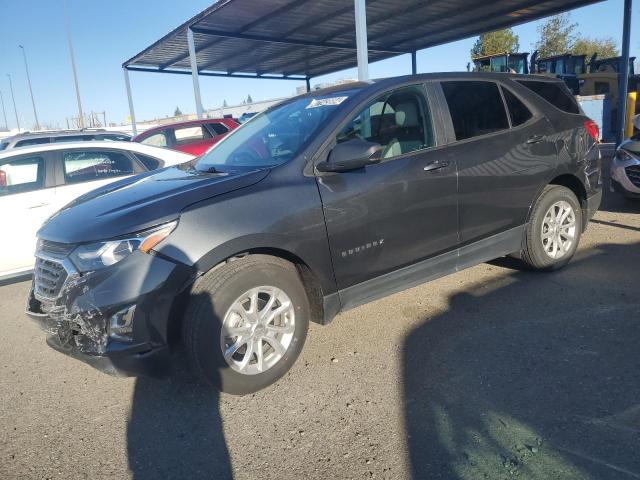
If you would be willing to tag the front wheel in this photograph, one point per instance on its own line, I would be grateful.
(553, 232)
(246, 323)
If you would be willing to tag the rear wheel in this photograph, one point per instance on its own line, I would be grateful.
(554, 230)
(246, 323)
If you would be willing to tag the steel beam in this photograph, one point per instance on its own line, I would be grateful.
(362, 53)
(624, 73)
(194, 72)
(216, 74)
(132, 114)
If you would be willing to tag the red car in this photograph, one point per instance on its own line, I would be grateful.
(194, 136)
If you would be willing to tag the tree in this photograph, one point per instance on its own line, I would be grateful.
(499, 41)
(604, 47)
(556, 36)
(177, 112)
(249, 99)
(224, 104)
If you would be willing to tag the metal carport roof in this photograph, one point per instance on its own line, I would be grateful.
(308, 38)
(301, 39)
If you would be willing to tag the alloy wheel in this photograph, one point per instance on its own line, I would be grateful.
(257, 330)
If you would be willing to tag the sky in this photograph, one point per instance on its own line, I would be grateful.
(106, 33)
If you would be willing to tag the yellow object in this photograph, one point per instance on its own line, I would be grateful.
(631, 111)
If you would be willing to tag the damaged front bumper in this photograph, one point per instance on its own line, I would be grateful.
(81, 312)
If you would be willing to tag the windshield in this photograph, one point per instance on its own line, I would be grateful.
(274, 136)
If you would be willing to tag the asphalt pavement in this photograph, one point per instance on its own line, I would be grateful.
(491, 373)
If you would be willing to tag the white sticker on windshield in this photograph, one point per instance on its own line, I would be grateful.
(321, 102)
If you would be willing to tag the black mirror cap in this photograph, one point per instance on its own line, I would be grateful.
(351, 155)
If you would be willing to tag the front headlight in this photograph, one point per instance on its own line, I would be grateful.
(94, 256)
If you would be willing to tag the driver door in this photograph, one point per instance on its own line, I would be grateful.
(400, 211)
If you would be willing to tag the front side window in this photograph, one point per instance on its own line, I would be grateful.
(191, 134)
(274, 136)
(554, 93)
(400, 122)
(85, 166)
(518, 111)
(156, 140)
(476, 108)
(21, 175)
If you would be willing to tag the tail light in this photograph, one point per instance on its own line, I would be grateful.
(592, 129)
(3, 178)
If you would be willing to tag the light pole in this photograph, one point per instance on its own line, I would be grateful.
(33, 102)
(73, 67)
(4, 112)
(15, 109)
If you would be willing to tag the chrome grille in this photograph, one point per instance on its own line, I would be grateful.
(633, 172)
(54, 248)
(49, 276)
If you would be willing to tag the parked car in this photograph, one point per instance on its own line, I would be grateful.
(194, 137)
(37, 181)
(625, 166)
(29, 139)
(321, 203)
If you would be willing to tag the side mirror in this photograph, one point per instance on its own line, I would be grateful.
(351, 155)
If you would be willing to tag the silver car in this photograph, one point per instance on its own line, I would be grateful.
(625, 167)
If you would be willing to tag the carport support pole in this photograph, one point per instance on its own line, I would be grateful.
(361, 39)
(624, 72)
(134, 127)
(414, 63)
(308, 82)
(194, 72)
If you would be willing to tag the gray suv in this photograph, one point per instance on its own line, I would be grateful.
(321, 203)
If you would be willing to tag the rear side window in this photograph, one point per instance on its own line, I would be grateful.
(218, 128)
(73, 138)
(3, 145)
(191, 134)
(84, 166)
(553, 93)
(476, 108)
(149, 162)
(32, 141)
(156, 140)
(21, 175)
(518, 111)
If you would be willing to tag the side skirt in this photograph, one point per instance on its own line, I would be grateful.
(407, 277)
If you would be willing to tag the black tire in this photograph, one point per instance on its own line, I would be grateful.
(211, 298)
(533, 253)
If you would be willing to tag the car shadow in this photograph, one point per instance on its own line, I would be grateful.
(530, 375)
(175, 430)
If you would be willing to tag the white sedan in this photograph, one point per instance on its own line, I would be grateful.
(35, 182)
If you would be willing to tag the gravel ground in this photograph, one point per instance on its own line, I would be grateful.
(489, 373)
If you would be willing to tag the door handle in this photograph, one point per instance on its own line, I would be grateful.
(433, 166)
(38, 205)
(535, 139)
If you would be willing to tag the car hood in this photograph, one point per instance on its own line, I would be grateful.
(136, 203)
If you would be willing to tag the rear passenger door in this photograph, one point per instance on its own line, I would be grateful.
(503, 156)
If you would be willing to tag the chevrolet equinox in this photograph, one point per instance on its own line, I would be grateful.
(319, 204)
